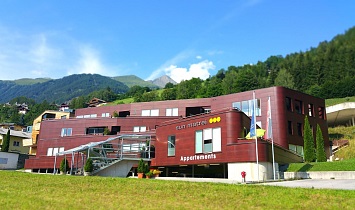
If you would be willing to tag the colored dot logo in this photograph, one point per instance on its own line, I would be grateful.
(215, 119)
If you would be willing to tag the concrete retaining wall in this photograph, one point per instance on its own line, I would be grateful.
(320, 175)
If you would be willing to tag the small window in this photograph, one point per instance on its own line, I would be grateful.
(105, 114)
(321, 113)
(310, 110)
(171, 112)
(298, 107)
(288, 104)
(290, 127)
(16, 144)
(299, 129)
(139, 129)
(66, 132)
(171, 145)
(50, 151)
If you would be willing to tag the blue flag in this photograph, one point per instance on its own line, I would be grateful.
(253, 121)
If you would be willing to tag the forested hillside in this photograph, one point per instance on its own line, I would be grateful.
(326, 71)
(60, 90)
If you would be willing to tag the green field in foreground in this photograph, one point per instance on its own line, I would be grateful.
(20, 190)
(344, 165)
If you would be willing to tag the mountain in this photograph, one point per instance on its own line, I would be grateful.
(132, 80)
(60, 90)
(29, 81)
(163, 80)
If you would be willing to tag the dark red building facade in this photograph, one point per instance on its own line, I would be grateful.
(194, 137)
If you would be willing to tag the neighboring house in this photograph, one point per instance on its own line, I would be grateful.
(63, 107)
(96, 102)
(22, 108)
(12, 126)
(46, 115)
(18, 140)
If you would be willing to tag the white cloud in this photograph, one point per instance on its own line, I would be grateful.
(199, 57)
(198, 70)
(177, 59)
(88, 63)
(47, 54)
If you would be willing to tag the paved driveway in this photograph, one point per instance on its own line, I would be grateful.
(341, 184)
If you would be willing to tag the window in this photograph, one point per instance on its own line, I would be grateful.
(66, 132)
(139, 129)
(95, 130)
(172, 112)
(299, 129)
(208, 140)
(247, 107)
(296, 148)
(171, 145)
(16, 144)
(310, 110)
(50, 151)
(237, 105)
(288, 104)
(54, 151)
(290, 127)
(321, 113)
(105, 114)
(152, 112)
(145, 112)
(298, 107)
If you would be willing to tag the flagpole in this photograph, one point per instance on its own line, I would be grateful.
(272, 139)
(256, 137)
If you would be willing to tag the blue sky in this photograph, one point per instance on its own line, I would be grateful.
(180, 38)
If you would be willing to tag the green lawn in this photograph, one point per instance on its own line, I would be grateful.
(20, 190)
(344, 165)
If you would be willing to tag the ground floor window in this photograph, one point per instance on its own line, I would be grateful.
(208, 140)
(171, 145)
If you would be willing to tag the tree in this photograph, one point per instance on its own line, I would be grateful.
(169, 85)
(308, 145)
(320, 154)
(6, 142)
(168, 94)
(284, 79)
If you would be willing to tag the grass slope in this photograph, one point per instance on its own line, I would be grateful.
(33, 191)
(345, 165)
(335, 101)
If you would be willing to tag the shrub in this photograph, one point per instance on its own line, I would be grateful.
(88, 167)
(64, 166)
(141, 166)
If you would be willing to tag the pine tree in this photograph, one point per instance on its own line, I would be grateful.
(6, 142)
(309, 151)
(320, 154)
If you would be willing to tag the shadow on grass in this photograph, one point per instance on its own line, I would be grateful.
(306, 167)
